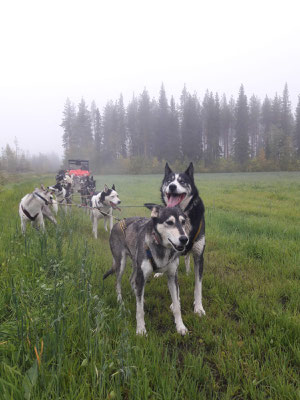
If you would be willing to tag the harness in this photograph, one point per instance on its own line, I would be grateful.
(198, 231)
(33, 218)
(28, 215)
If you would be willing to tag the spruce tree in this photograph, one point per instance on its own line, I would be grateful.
(191, 129)
(254, 126)
(297, 129)
(266, 121)
(241, 140)
(68, 125)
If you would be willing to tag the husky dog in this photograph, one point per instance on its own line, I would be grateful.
(103, 203)
(87, 190)
(34, 207)
(178, 189)
(62, 196)
(153, 244)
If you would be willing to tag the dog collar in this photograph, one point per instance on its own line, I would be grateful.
(156, 238)
(41, 197)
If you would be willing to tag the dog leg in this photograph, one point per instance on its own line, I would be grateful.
(95, 226)
(119, 267)
(138, 280)
(174, 292)
(198, 266)
(23, 225)
(111, 224)
(105, 222)
(187, 261)
(40, 222)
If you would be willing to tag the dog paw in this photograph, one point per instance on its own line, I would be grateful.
(158, 275)
(182, 330)
(141, 331)
(199, 310)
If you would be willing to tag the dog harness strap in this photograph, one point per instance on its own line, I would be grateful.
(41, 197)
(122, 224)
(151, 259)
(28, 215)
(198, 231)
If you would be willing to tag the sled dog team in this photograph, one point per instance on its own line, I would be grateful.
(154, 244)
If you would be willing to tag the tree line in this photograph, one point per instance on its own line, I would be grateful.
(14, 160)
(216, 133)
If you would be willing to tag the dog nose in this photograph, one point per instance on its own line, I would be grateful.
(172, 188)
(119, 201)
(183, 239)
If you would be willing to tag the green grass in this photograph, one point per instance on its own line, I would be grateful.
(246, 347)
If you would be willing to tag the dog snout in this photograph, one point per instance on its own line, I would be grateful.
(119, 202)
(172, 188)
(183, 240)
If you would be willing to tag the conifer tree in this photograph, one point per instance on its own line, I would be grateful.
(297, 129)
(68, 125)
(241, 140)
(254, 126)
(191, 129)
(134, 138)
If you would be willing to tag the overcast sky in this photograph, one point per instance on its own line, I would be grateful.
(51, 50)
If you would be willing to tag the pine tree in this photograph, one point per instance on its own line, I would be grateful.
(266, 121)
(297, 129)
(191, 129)
(174, 147)
(121, 128)
(211, 127)
(134, 138)
(162, 133)
(83, 143)
(110, 128)
(145, 124)
(68, 125)
(254, 126)
(241, 140)
(286, 113)
(98, 139)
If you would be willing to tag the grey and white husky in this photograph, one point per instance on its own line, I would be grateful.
(103, 203)
(179, 189)
(34, 207)
(154, 244)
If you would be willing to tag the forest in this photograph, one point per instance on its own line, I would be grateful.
(216, 133)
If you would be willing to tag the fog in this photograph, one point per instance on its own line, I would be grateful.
(99, 49)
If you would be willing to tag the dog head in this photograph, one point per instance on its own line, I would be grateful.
(168, 224)
(109, 197)
(43, 195)
(56, 188)
(178, 188)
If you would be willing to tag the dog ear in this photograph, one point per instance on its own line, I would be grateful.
(113, 187)
(190, 170)
(43, 187)
(167, 170)
(154, 209)
(105, 188)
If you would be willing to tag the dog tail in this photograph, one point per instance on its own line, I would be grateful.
(111, 271)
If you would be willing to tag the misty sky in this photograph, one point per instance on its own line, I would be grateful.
(51, 50)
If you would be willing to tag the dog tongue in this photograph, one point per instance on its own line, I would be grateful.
(174, 200)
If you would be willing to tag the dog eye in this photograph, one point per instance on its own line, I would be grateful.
(170, 223)
(183, 222)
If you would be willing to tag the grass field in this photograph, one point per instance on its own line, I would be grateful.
(63, 335)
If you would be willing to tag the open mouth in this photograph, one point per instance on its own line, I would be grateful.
(114, 206)
(174, 199)
(177, 248)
